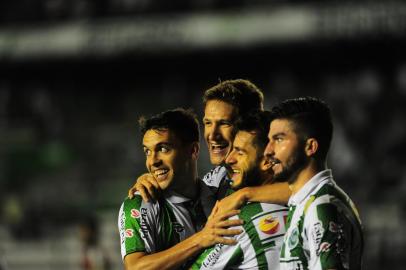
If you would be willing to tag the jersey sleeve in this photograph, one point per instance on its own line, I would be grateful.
(325, 233)
(136, 227)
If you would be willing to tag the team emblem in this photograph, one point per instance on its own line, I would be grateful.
(129, 233)
(269, 224)
(293, 238)
(135, 213)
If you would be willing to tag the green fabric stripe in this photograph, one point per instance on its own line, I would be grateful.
(247, 212)
(198, 263)
(297, 250)
(236, 258)
(327, 213)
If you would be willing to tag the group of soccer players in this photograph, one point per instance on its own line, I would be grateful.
(235, 217)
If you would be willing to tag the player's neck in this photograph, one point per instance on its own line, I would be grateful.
(305, 175)
(187, 187)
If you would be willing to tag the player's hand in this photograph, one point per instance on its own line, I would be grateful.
(232, 202)
(217, 227)
(147, 186)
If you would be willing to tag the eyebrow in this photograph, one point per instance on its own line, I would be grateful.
(278, 134)
(239, 149)
(160, 144)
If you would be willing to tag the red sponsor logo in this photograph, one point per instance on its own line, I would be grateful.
(323, 247)
(269, 225)
(135, 213)
(129, 233)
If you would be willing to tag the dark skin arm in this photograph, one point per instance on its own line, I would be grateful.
(277, 193)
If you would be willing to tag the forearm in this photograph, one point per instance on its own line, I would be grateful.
(278, 193)
(171, 258)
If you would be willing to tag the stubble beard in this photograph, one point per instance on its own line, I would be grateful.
(293, 167)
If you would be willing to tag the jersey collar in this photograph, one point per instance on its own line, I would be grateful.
(175, 197)
(310, 186)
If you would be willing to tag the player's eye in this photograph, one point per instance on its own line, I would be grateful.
(226, 123)
(147, 152)
(206, 122)
(164, 149)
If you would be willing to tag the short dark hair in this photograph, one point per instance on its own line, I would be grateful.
(311, 118)
(242, 94)
(182, 122)
(257, 121)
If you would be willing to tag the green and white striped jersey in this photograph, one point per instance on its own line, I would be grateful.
(324, 229)
(153, 227)
(258, 246)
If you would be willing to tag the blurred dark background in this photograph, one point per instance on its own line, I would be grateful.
(75, 75)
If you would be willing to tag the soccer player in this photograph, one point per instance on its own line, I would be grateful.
(223, 104)
(162, 234)
(324, 229)
(264, 224)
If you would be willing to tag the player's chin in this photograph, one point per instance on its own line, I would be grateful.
(217, 159)
(237, 181)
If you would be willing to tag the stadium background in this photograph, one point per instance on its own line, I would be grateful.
(75, 75)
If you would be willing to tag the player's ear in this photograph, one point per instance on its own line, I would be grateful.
(311, 147)
(195, 149)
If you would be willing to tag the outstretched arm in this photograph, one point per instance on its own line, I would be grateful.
(175, 256)
(277, 193)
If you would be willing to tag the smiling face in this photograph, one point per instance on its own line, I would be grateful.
(285, 151)
(166, 158)
(246, 160)
(219, 130)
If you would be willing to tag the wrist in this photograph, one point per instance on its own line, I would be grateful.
(196, 243)
(246, 194)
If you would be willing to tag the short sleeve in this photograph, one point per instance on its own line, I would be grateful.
(323, 229)
(135, 227)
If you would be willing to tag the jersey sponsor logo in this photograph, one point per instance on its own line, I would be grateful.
(317, 233)
(135, 213)
(144, 224)
(213, 256)
(129, 233)
(122, 227)
(324, 247)
(269, 224)
(293, 239)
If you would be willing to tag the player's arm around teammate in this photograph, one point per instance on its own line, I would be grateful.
(175, 256)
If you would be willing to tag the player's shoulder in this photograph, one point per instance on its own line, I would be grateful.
(271, 207)
(137, 203)
(328, 193)
(253, 210)
(215, 176)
